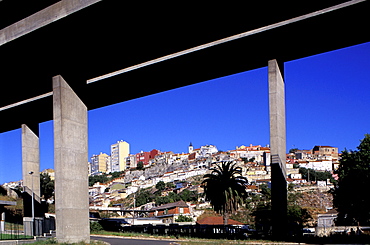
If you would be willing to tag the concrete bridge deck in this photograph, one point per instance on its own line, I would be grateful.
(109, 36)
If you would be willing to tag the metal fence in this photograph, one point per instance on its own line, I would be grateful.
(201, 231)
(13, 231)
(28, 229)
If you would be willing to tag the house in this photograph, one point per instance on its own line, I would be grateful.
(217, 221)
(170, 211)
(325, 151)
(326, 223)
(304, 155)
(208, 150)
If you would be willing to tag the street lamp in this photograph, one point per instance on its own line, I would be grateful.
(33, 203)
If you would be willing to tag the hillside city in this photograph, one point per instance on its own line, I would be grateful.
(119, 181)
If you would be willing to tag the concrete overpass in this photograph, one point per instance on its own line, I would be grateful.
(75, 56)
(108, 36)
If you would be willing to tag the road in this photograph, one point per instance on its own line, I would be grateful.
(129, 241)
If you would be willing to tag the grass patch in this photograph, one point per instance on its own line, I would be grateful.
(14, 237)
(184, 240)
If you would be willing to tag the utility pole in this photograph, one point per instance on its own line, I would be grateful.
(33, 205)
(133, 219)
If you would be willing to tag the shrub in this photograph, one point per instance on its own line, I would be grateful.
(183, 218)
(95, 226)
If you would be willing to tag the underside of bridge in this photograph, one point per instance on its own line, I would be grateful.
(112, 35)
(62, 54)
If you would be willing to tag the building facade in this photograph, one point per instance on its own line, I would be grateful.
(143, 157)
(99, 164)
(170, 212)
(119, 152)
(208, 150)
(325, 151)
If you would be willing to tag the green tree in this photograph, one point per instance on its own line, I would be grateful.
(297, 216)
(170, 185)
(225, 188)
(98, 178)
(143, 197)
(188, 196)
(293, 150)
(95, 227)
(247, 160)
(115, 175)
(266, 192)
(160, 185)
(159, 200)
(140, 166)
(352, 203)
(173, 197)
(46, 186)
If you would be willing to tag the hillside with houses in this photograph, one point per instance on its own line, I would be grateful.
(166, 188)
(184, 172)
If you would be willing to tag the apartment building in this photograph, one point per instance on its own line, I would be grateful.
(99, 164)
(119, 152)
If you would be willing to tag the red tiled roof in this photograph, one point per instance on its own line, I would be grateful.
(217, 221)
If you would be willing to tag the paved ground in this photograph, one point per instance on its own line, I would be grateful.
(129, 241)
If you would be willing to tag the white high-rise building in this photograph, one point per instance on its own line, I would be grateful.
(119, 153)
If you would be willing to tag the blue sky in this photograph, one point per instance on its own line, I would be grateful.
(327, 103)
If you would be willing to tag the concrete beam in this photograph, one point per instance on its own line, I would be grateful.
(278, 150)
(42, 18)
(30, 159)
(70, 163)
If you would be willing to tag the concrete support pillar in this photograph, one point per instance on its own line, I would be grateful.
(70, 163)
(278, 150)
(30, 159)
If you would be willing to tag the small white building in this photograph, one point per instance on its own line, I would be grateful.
(318, 165)
(208, 150)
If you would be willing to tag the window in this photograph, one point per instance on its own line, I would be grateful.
(181, 210)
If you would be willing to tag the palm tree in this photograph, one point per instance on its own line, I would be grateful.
(225, 188)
